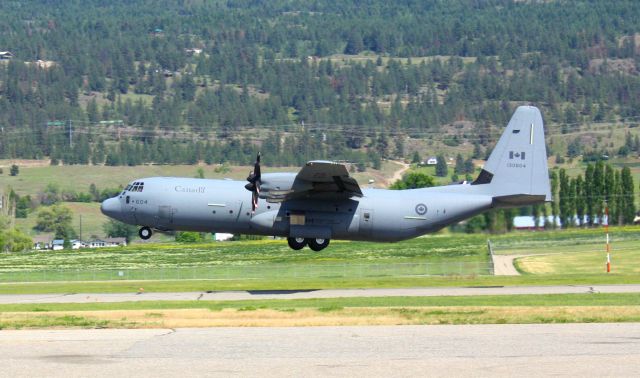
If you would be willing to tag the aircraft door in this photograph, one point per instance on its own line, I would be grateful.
(131, 207)
(165, 217)
(366, 221)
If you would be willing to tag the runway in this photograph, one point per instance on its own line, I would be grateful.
(468, 350)
(306, 294)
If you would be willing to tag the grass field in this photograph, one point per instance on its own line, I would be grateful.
(622, 262)
(574, 252)
(252, 260)
(339, 264)
(92, 219)
(333, 311)
(563, 241)
(250, 264)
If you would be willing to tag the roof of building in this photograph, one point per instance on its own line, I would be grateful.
(115, 240)
(41, 239)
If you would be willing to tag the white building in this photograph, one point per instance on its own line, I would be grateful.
(221, 236)
(6, 55)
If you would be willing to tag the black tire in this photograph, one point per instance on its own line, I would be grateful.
(297, 243)
(145, 233)
(318, 244)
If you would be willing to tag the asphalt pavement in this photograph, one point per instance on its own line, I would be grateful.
(576, 350)
(305, 294)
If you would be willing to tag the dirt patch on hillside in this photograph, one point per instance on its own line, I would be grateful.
(30, 163)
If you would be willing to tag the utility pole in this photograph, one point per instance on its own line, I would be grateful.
(81, 227)
(70, 134)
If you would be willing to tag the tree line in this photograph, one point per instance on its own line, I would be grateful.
(586, 199)
(272, 63)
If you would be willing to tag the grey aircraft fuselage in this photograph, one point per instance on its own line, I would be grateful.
(223, 206)
(322, 202)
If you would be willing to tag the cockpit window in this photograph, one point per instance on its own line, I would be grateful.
(135, 187)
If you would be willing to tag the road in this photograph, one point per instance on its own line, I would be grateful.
(468, 350)
(397, 175)
(306, 294)
(503, 265)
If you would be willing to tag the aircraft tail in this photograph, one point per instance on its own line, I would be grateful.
(516, 172)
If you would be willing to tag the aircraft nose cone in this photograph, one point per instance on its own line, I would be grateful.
(110, 207)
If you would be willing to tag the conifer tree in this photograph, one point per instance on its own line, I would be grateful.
(628, 210)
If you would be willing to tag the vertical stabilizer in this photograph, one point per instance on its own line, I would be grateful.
(517, 172)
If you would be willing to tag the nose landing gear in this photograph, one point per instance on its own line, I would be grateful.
(145, 233)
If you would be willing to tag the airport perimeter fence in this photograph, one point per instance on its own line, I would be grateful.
(256, 272)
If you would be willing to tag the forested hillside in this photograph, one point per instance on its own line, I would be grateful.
(182, 81)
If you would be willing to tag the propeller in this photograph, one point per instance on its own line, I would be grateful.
(254, 184)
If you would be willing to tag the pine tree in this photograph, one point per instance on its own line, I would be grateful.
(589, 194)
(598, 189)
(617, 203)
(416, 159)
(563, 194)
(628, 210)
(580, 200)
(535, 214)
(459, 168)
(441, 167)
(554, 195)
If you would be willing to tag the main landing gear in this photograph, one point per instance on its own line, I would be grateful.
(315, 244)
(145, 233)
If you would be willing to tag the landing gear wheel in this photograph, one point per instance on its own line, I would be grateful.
(296, 243)
(145, 233)
(318, 244)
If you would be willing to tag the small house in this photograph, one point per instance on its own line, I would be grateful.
(97, 243)
(193, 51)
(432, 160)
(115, 242)
(6, 55)
(77, 244)
(57, 244)
(45, 64)
(41, 242)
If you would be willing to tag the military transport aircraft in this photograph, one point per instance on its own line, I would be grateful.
(322, 202)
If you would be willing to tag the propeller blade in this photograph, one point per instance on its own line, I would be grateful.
(254, 184)
(256, 168)
(254, 201)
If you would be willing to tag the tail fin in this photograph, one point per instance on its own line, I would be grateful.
(516, 172)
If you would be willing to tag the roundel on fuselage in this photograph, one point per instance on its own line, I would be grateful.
(421, 209)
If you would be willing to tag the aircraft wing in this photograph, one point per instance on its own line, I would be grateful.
(319, 180)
